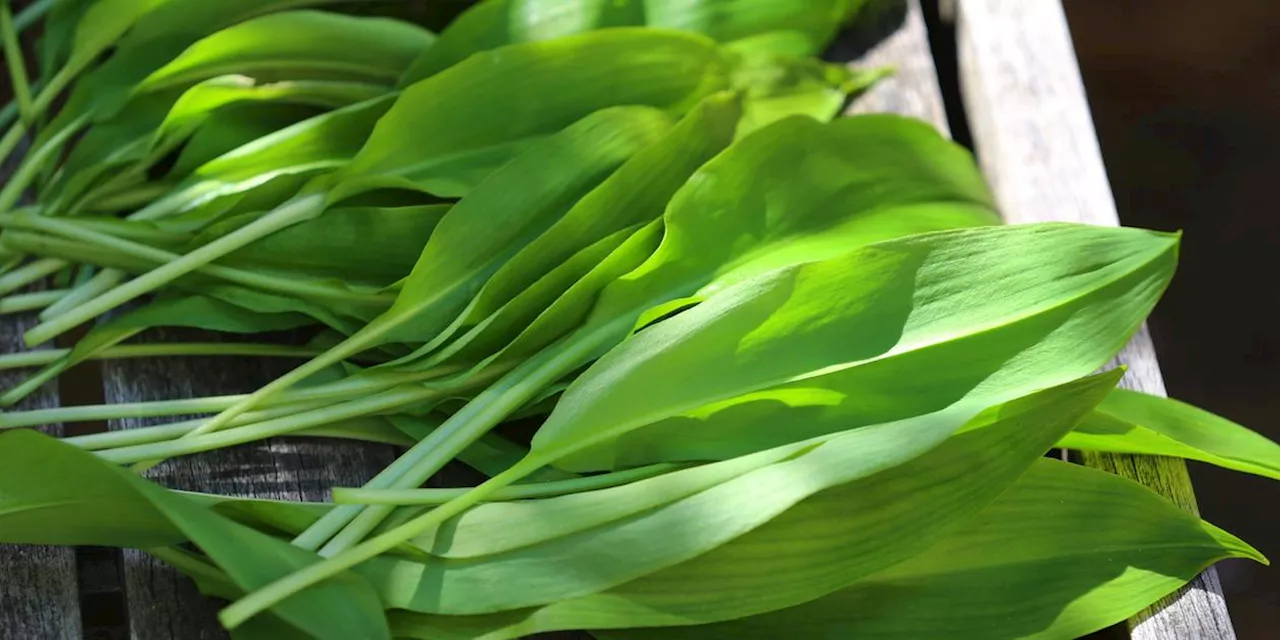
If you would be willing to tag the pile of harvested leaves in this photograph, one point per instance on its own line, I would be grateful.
(790, 377)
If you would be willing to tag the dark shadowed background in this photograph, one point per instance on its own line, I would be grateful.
(1186, 99)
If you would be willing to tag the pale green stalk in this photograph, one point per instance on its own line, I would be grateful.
(288, 214)
(42, 357)
(292, 286)
(173, 430)
(346, 525)
(552, 488)
(17, 63)
(384, 402)
(339, 390)
(85, 291)
(29, 274)
(29, 302)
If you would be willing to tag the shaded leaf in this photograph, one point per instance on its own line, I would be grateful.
(1132, 422)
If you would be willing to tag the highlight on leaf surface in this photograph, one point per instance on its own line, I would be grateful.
(732, 365)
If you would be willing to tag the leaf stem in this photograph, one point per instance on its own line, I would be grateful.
(16, 62)
(277, 284)
(29, 302)
(100, 282)
(371, 405)
(29, 274)
(288, 214)
(339, 390)
(349, 524)
(173, 430)
(166, 349)
(266, 597)
(436, 497)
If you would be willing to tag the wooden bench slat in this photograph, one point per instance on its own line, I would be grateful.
(913, 89)
(162, 603)
(1035, 141)
(39, 591)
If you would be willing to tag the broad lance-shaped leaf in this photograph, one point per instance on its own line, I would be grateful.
(144, 35)
(688, 513)
(898, 296)
(466, 111)
(110, 159)
(324, 142)
(316, 45)
(1132, 422)
(792, 192)
(902, 298)
(288, 45)
(495, 23)
(450, 125)
(793, 207)
(634, 195)
(1065, 552)
(851, 505)
(1061, 301)
(56, 493)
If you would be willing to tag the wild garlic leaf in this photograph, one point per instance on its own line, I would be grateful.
(69, 496)
(58, 494)
(512, 209)
(634, 195)
(902, 298)
(372, 246)
(1065, 552)
(144, 35)
(1132, 422)
(325, 142)
(842, 509)
(1034, 333)
(495, 23)
(464, 116)
(299, 45)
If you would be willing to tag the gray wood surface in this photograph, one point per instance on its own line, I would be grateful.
(39, 593)
(1035, 141)
(163, 604)
(892, 33)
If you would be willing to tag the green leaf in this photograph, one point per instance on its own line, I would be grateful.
(1132, 422)
(362, 245)
(57, 494)
(1065, 552)
(495, 23)
(832, 513)
(324, 142)
(462, 116)
(315, 45)
(511, 210)
(1065, 296)
(144, 35)
(634, 195)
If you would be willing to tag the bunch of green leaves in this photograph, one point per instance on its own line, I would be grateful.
(789, 375)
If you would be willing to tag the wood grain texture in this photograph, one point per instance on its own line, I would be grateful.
(39, 596)
(892, 33)
(162, 603)
(1036, 144)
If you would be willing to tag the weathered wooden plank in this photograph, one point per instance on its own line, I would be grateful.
(39, 595)
(892, 33)
(162, 603)
(1036, 144)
